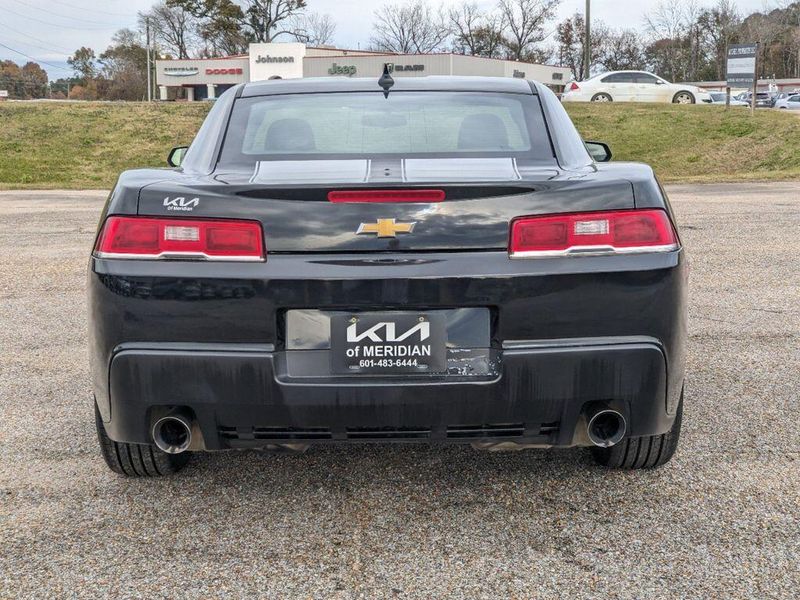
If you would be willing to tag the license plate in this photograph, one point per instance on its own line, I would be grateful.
(389, 342)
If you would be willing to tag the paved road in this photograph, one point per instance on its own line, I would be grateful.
(414, 522)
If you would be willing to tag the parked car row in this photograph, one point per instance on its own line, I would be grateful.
(641, 86)
(781, 100)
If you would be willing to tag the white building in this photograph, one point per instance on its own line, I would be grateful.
(197, 79)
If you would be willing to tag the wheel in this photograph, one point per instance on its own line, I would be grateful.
(643, 452)
(136, 460)
(683, 98)
(602, 98)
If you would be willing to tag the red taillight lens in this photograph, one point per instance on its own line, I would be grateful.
(574, 87)
(386, 196)
(614, 232)
(145, 237)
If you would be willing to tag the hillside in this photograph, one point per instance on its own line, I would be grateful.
(85, 145)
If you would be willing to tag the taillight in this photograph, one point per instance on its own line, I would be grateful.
(574, 234)
(386, 196)
(574, 87)
(205, 239)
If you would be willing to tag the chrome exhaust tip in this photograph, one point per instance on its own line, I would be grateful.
(172, 434)
(606, 428)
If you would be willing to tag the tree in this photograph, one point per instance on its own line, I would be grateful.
(719, 26)
(622, 51)
(34, 78)
(22, 83)
(410, 28)
(314, 29)
(255, 20)
(571, 38)
(174, 28)
(524, 26)
(124, 68)
(476, 32)
(83, 63)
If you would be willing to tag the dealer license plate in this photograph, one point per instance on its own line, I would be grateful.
(388, 343)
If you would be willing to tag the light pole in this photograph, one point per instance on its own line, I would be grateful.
(149, 83)
(587, 45)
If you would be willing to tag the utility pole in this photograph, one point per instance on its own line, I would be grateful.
(587, 45)
(149, 84)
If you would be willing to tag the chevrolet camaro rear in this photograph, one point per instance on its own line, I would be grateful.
(430, 260)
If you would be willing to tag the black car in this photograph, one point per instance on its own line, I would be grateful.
(432, 259)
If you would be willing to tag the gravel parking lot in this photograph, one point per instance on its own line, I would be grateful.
(721, 520)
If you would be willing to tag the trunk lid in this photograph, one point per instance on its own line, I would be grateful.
(291, 201)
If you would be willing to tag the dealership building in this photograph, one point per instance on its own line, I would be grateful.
(201, 79)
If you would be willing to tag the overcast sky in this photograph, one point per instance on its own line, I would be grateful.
(50, 30)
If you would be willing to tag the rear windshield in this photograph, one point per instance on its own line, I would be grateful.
(367, 125)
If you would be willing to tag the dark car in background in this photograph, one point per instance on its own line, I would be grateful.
(435, 259)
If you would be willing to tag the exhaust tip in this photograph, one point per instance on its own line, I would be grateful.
(606, 428)
(172, 434)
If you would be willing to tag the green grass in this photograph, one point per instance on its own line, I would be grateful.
(696, 143)
(85, 145)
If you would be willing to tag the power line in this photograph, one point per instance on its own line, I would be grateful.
(35, 59)
(8, 10)
(60, 16)
(17, 32)
(92, 10)
(28, 44)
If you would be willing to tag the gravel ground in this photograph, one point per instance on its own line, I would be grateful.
(721, 520)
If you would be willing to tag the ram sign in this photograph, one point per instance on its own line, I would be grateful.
(741, 66)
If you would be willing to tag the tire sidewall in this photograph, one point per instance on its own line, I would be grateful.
(682, 92)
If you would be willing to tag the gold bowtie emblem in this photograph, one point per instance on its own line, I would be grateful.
(386, 228)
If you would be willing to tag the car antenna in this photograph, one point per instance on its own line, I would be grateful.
(386, 81)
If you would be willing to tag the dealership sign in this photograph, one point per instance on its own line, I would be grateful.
(181, 71)
(342, 70)
(393, 68)
(274, 59)
(741, 66)
(231, 71)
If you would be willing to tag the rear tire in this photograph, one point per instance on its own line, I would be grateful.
(136, 460)
(602, 97)
(645, 452)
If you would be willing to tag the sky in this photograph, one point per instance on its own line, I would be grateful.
(48, 31)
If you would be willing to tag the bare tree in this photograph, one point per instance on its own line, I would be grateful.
(476, 32)
(571, 38)
(720, 26)
(174, 28)
(314, 29)
(265, 17)
(252, 20)
(622, 51)
(524, 25)
(410, 28)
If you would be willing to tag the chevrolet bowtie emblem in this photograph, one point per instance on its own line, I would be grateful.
(386, 228)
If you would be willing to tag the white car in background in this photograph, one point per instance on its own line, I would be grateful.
(632, 86)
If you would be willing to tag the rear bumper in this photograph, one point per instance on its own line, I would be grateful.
(242, 396)
(211, 337)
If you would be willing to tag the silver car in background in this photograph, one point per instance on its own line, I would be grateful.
(791, 102)
(719, 98)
